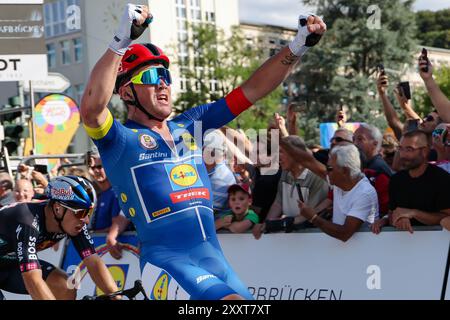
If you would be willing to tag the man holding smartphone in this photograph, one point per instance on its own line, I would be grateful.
(438, 98)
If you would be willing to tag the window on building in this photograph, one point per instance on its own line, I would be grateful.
(65, 52)
(79, 90)
(78, 47)
(51, 55)
(210, 16)
(55, 17)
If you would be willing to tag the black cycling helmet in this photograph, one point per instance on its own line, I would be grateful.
(74, 192)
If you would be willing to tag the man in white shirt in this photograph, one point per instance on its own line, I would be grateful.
(354, 198)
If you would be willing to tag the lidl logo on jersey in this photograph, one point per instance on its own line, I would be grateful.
(119, 273)
(183, 176)
(147, 142)
(161, 287)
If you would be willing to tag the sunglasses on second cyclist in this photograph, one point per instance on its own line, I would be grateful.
(152, 76)
(79, 213)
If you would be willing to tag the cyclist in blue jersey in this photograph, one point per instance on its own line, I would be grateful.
(155, 165)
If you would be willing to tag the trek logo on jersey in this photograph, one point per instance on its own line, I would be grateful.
(183, 176)
(189, 141)
(191, 194)
(147, 142)
(161, 287)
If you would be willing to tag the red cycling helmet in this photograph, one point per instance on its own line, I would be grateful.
(137, 56)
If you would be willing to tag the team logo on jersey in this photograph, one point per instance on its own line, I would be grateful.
(189, 141)
(161, 212)
(188, 195)
(147, 142)
(184, 175)
(161, 287)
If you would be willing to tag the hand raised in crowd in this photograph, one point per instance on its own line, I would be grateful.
(423, 63)
(280, 124)
(382, 84)
(39, 178)
(341, 118)
(401, 98)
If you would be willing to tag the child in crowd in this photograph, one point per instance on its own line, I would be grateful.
(240, 218)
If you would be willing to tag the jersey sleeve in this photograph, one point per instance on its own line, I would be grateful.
(217, 114)
(26, 236)
(26, 243)
(110, 133)
(83, 243)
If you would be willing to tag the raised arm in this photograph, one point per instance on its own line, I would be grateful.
(439, 100)
(271, 74)
(305, 158)
(405, 104)
(389, 111)
(99, 90)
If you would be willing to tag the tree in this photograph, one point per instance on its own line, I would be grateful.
(219, 65)
(422, 102)
(340, 71)
(434, 28)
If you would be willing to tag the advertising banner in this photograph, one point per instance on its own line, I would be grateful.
(23, 55)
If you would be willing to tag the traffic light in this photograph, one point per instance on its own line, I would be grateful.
(13, 134)
(13, 128)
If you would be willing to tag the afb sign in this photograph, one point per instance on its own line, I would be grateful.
(54, 82)
(23, 55)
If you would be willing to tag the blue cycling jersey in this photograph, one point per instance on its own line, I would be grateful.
(165, 190)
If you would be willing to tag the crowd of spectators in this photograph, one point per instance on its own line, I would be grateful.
(399, 178)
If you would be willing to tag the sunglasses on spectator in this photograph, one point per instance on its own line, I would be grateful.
(428, 118)
(152, 76)
(79, 213)
(99, 166)
(339, 139)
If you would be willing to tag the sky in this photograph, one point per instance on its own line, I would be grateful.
(285, 12)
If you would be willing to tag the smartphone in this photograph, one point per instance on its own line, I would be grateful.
(425, 57)
(412, 125)
(42, 168)
(380, 68)
(406, 89)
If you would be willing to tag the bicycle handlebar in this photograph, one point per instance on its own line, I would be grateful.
(129, 293)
